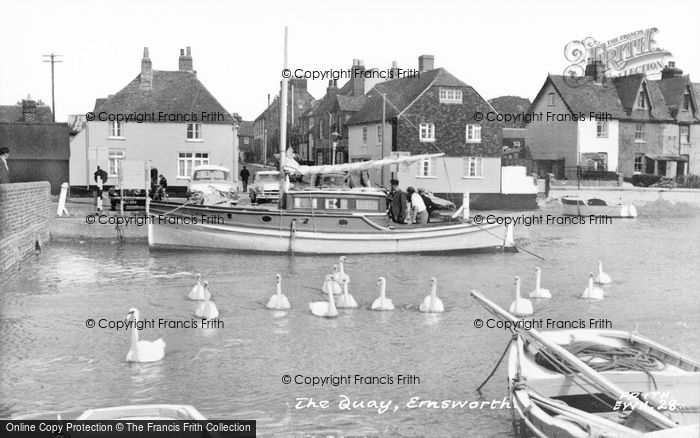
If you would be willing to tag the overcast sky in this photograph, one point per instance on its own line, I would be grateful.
(499, 47)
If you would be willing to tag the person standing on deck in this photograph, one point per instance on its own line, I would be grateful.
(396, 201)
(418, 211)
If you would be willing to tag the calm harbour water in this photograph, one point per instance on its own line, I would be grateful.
(52, 362)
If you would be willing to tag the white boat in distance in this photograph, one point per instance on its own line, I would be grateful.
(578, 206)
(596, 383)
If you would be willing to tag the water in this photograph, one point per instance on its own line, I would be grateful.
(52, 362)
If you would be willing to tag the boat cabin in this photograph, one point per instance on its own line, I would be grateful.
(360, 201)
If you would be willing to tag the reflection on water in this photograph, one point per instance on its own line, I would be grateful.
(52, 361)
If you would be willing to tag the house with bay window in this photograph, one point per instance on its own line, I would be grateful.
(433, 112)
(166, 117)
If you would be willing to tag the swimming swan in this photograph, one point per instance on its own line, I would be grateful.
(602, 277)
(521, 306)
(539, 291)
(143, 351)
(382, 303)
(432, 303)
(278, 301)
(207, 309)
(325, 309)
(592, 292)
(198, 292)
(340, 274)
(330, 285)
(346, 300)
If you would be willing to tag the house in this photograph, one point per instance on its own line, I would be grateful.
(266, 127)
(600, 124)
(39, 147)
(245, 141)
(166, 117)
(431, 112)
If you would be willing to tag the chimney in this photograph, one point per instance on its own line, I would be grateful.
(671, 71)
(146, 71)
(28, 109)
(595, 70)
(394, 72)
(186, 60)
(425, 63)
(358, 81)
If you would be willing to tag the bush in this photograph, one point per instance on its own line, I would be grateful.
(688, 181)
(645, 179)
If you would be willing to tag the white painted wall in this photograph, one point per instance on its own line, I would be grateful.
(158, 142)
(449, 177)
(588, 142)
(372, 150)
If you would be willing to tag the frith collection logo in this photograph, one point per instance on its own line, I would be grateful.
(631, 53)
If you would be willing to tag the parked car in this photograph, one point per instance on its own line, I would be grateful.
(212, 185)
(135, 197)
(265, 186)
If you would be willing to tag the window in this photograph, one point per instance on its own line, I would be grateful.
(685, 134)
(473, 167)
(194, 131)
(449, 95)
(639, 133)
(246, 140)
(320, 128)
(186, 161)
(364, 135)
(116, 129)
(686, 100)
(427, 132)
(115, 155)
(473, 133)
(602, 129)
(550, 99)
(638, 163)
(516, 143)
(379, 134)
(427, 167)
(642, 101)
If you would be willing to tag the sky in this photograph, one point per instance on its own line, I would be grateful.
(499, 48)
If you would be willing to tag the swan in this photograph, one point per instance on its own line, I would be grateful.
(143, 351)
(199, 291)
(345, 299)
(539, 292)
(330, 285)
(382, 303)
(592, 292)
(521, 306)
(602, 277)
(339, 271)
(325, 308)
(432, 303)
(207, 309)
(278, 301)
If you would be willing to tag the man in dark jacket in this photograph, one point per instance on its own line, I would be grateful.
(244, 178)
(100, 178)
(396, 201)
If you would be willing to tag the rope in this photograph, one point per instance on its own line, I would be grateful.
(497, 364)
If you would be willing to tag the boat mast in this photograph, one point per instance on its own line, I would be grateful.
(283, 125)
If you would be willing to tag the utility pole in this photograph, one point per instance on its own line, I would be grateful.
(382, 129)
(52, 59)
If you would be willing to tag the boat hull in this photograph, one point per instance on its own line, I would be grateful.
(580, 207)
(279, 232)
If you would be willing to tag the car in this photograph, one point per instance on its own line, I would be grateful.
(212, 185)
(265, 186)
(131, 197)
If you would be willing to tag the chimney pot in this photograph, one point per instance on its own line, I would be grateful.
(185, 61)
(28, 109)
(146, 71)
(426, 63)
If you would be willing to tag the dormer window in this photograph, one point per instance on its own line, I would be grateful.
(686, 100)
(450, 95)
(642, 100)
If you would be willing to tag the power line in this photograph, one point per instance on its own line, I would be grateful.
(52, 59)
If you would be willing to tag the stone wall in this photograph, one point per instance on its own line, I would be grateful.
(24, 213)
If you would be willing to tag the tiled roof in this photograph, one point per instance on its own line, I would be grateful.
(400, 93)
(673, 89)
(173, 92)
(351, 103)
(246, 129)
(614, 96)
(13, 114)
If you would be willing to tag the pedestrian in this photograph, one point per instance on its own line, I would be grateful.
(162, 186)
(396, 201)
(100, 178)
(419, 213)
(245, 174)
(4, 168)
(429, 204)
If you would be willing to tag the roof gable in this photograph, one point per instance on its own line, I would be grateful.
(173, 92)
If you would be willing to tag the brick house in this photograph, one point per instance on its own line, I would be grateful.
(182, 125)
(430, 113)
(266, 127)
(245, 141)
(39, 147)
(628, 126)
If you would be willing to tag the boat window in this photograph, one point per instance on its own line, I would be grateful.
(266, 219)
(367, 204)
(332, 203)
(305, 203)
(343, 222)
